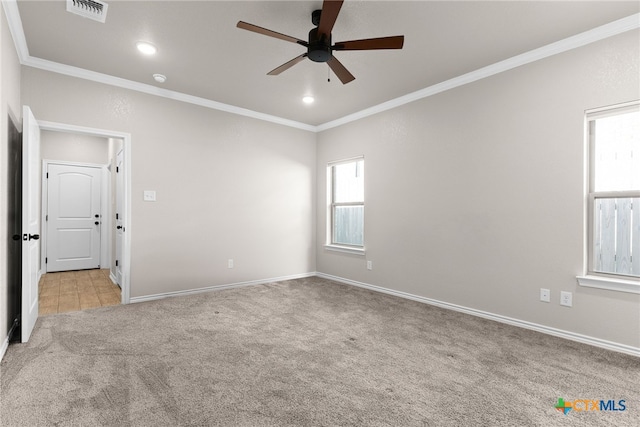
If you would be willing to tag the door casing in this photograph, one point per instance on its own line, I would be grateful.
(126, 197)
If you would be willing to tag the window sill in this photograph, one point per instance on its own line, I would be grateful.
(601, 282)
(345, 249)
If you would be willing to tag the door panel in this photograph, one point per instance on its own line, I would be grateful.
(74, 244)
(14, 230)
(30, 221)
(73, 229)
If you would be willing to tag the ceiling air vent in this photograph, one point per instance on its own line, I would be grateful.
(92, 9)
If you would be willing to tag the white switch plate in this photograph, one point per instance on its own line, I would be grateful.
(566, 298)
(545, 295)
(230, 263)
(369, 265)
(149, 196)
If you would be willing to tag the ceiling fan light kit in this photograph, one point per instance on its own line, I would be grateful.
(319, 45)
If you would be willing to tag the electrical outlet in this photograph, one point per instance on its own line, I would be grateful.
(230, 263)
(566, 298)
(369, 265)
(545, 295)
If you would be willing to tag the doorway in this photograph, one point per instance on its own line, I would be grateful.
(107, 223)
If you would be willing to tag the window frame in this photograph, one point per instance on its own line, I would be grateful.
(591, 277)
(331, 244)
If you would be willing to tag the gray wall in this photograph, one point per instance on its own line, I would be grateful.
(72, 147)
(228, 187)
(9, 104)
(475, 196)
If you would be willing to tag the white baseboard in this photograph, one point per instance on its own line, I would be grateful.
(3, 349)
(113, 278)
(597, 342)
(219, 287)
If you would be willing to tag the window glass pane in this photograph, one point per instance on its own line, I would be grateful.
(349, 182)
(616, 236)
(348, 225)
(617, 152)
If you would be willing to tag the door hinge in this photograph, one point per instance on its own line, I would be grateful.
(116, 216)
(47, 175)
(46, 260)
(46, 217)
(117, 169)
(116, 263)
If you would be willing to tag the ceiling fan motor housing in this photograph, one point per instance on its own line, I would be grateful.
(319, 49)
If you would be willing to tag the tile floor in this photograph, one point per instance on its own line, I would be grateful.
(76, 290)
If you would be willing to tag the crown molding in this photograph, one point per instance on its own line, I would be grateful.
(82, 73)
(629, 23)
(17, 32)
(12, 14)
(15, 28)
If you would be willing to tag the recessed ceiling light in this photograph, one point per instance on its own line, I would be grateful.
(160, 78)
(146, 48)
(308, 99)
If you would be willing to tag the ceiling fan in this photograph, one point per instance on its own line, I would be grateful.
(319, 48)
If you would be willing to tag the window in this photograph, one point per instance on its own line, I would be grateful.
(614, 192)
(346, 205)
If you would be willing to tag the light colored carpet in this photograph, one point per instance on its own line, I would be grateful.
(306, 352)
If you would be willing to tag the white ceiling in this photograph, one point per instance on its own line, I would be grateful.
(202, 53)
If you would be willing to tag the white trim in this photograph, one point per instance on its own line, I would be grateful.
(609, 283)
(619, 26)
(113, 278)
(4, 347)
(345, 249)
(590, 276)
(81, 73)
(219, 287)
(344, 161)
(17, 31)
(14, 23)
(599, 33)
(105, 213)
(609, 110)
(597, 342)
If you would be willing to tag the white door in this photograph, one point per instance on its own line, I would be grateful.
(119, 215)
(30, 221)
(74, 217)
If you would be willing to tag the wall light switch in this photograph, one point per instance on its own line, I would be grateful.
(149, 196)
(545, 295)
(369, 265)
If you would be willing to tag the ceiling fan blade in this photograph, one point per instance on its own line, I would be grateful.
(287, 65)
(343, 74)
(393, 42)
(330, 10)
(264, 31)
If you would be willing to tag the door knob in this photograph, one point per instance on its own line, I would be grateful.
(97, 223)
(16, 237)
(34, 236)
(97, 216)
(119, 227)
